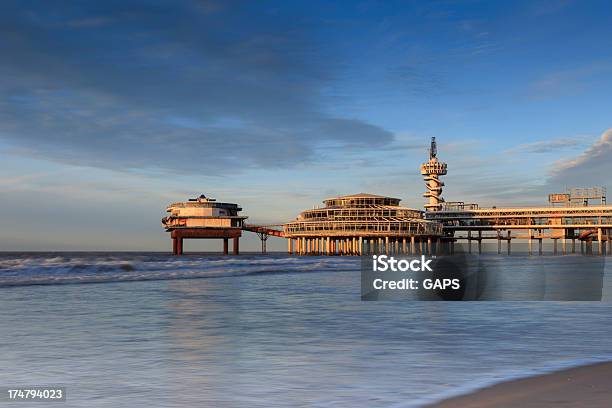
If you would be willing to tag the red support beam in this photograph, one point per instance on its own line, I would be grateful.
(179, 234)
(236, 244)
(179, 246)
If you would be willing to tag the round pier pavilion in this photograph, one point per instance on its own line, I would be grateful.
(205, 218)
(361, 224)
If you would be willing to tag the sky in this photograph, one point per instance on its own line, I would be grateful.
(111, 110)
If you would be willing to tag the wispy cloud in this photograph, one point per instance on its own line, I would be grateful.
(568, 81)
(593, 167)
(552, 145)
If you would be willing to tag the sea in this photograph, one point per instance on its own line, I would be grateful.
(204, 330)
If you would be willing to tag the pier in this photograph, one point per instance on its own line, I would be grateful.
(578, 220)
(564, 227)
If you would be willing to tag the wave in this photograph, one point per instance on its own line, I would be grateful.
(25, 270)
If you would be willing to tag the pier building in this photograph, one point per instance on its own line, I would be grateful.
(563, 225)
(366, 223)
(361, 223)
(570, 218)
(204, 218)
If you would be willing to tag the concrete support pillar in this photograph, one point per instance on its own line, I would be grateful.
(469, 242)
(564, 243)
(360, 250)
(498, 242)
(404, 249)
(479, 242)
(600, 250)
(289, 245)
(573, 245)
(236, 245)
(174, 246)
(225, 246)
(412, 246)
(588, 245)
(540, 245)
(387, 245)
(179, 245)
(529, 242)
(428, 245)
(509, 242)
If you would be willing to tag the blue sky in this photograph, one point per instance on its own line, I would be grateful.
(111, 110)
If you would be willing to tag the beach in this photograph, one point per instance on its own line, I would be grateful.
(584, 386)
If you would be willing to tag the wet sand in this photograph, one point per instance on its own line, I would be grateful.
(585, 386)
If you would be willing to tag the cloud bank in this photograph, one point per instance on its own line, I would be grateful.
(177, 86)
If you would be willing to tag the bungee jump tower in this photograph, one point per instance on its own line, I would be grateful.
(431, 171)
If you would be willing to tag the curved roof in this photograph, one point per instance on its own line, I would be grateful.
(362, 195)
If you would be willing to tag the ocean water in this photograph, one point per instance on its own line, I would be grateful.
(143, 330)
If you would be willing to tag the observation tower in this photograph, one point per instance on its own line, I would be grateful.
(431, 171)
